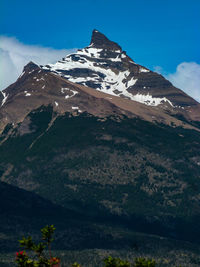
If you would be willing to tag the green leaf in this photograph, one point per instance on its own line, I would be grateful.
(47, 233)
(27, 243)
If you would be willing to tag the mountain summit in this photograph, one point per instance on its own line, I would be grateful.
(99, 40)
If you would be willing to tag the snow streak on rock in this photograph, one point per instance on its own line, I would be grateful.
(4, 98)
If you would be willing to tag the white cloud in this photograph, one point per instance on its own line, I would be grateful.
(187, 78)
(14, 55)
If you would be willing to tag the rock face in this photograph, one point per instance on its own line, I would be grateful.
(99, 40)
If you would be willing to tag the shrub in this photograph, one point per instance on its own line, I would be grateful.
(39, 257)
(142, 262)
(116, 262)
(139, 262)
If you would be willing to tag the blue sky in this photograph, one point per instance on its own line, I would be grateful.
(155, 33)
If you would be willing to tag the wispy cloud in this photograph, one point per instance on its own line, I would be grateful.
(14, 55)
(158, 69)
(186, 77)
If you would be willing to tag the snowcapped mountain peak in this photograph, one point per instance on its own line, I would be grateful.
(104, 66)
(100, 79)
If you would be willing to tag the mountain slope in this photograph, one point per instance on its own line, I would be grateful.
(129, 168)
(115, 177)
(37, 87)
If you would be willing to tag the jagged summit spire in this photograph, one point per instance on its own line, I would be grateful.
(31, 66)
(99, 40)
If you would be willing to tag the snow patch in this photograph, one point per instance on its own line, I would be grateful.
(91, 45)
(31, 71)
(150, 100)
(41, 79)
(144, 70)
(117, 59)
(68, 90)
(22, 74)
(90, 52)
(4, 98)
(131, 82)
(77, 108)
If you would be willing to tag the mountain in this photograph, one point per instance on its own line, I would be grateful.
(105, 67)
(107, 144)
